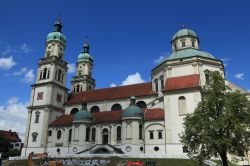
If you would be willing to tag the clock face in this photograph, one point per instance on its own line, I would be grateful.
(39, 95)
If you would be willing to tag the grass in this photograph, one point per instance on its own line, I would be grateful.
(220, 163)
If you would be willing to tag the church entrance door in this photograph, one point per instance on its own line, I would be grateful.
(105, 136)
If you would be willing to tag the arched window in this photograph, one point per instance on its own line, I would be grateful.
(62, 77)
(141, 104)
(119, 133)
(74, 111)
(116, 107)
(156, 85)
(93, 134)
(50, 133)
(151, 135)
(48, 74)
(183, 44)
(94, 109)
(41, 75)
(207, 75)
(162, 82)
(140, 131)
(59, 134)
(87, 133)
(59, 75)
(44, 73)
(37, 115)
(129, 131)
(160, 135)
(182, 105)
(70, 135)
(77, 88)
(34, 136)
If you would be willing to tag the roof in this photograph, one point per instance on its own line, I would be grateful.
(182, 82)
(64, 120)
(154, 114)
(109, 117)
(119, 92)
(11, 136)
(189, 52)
(184, 32)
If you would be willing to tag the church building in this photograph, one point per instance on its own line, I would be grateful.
(134, 119)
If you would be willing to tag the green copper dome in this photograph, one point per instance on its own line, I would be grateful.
(85, 56)
(184, 32)
(132, 110)
(83, 114)
(58, 36)
(189, 52)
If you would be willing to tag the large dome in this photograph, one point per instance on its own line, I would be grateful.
(184, 32)
(56, 36)
(83, 114)
(132, 110)
(189, 52)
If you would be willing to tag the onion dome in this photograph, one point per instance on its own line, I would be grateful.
(132, 110)
(184, 32)
(83, 115)
(57, 35)
(189, 52)
(85, 56)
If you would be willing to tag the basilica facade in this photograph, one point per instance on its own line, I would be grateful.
(141, 118)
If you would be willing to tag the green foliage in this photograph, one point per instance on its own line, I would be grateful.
(219, 124)
(5, 146)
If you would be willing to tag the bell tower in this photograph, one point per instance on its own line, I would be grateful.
(49, 92)
(83, 80)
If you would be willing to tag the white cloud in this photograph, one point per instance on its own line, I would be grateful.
(113, 85)
(7, 50)
(248, 90)
(29, 76)
(71, 68)
(7, 63)
(25, 48)
(160, 59)
(225, 61)
(13, 116)
(133, 79)
(22, 71)
(239, 76)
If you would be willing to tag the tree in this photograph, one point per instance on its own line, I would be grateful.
(5, 146)
(219, 125)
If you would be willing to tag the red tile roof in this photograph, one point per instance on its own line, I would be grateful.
(64, 120)
(138, 90)
(11, 136)
(155, 114)
(109, 117)
(182, 82)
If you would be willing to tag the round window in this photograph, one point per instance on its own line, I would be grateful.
(128, 148)
(141, 148)
(59, 134)
(156, 148)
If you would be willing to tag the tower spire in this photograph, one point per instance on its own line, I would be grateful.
(58, 24)
(86, 46)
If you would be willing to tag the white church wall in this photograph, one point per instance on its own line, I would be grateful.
(107, 104)
(173, 120)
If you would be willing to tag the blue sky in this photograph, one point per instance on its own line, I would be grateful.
(126, 39)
